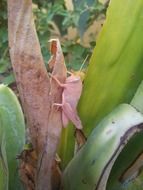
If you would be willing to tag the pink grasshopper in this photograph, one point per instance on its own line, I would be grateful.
(70, 96)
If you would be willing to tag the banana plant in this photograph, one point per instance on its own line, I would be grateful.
(113, 77)
(12, 139)
(115, 68)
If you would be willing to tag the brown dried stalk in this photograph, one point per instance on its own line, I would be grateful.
(36, 91)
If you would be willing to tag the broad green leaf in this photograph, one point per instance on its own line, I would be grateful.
(113, 153)
(12, 137)
(116, 67)
(127, 172)
(119, 130)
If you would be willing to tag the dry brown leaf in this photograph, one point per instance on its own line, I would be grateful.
(54, 122)
(80, 139)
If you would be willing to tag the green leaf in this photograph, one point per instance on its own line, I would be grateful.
(119, 130)
(12, 136)
(66, 143)
(84, 10)
(8, 79)
(127, 171)
(4, 172)
(4, 64)
(113, 152)
(116, 67)
(137, 100)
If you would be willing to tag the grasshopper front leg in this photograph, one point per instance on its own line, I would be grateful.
(62, 85)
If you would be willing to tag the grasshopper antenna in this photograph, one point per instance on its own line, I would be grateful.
(84, 62)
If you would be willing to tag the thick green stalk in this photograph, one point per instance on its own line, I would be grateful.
(115, 68)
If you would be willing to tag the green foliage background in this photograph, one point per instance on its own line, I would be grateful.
(5, 68)
(53, 19)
